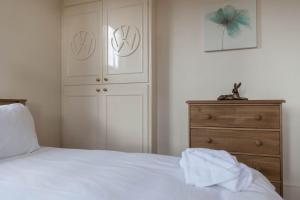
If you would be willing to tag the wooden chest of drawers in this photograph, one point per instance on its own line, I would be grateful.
(250, 130)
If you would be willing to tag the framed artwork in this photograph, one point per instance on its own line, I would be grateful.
(230, 25)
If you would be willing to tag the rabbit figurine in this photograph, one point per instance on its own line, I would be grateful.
(235, 94)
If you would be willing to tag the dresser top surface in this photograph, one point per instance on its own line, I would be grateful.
(266, 102)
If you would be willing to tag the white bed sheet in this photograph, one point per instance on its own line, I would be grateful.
(66, 174)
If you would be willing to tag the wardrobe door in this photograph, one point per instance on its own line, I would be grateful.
(82, 44)
(126, 118)
(126, 41)
(82, 118)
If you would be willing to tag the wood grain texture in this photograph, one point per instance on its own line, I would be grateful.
(11, 101)
(238, 102)
(250, 130)
(268, 166)
(238, 116)
(244, 141)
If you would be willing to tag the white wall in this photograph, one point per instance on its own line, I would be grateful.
(271, 71)
(30, 60)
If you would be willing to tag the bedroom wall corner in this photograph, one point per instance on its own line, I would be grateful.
(186, 72)
(30, 61)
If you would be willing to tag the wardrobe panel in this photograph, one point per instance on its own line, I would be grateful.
(82, 44)
(126, 52)
(81, 118)
(127, 118)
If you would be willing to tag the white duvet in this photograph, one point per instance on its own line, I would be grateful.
(62, 174)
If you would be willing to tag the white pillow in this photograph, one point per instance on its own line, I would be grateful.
(17, 131)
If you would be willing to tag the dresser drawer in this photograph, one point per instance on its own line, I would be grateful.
(277, 185)
(270, 167)
(238, 116)
(241, 141)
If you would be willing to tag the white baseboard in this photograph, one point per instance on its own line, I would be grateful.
(291, 192)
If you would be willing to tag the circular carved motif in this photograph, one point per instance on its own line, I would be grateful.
(83, 45)
(125, 40)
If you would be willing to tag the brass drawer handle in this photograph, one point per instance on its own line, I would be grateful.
(208, 117)
(98, 90)
(259, 143)
(105, 90)
(98, 79)
(106, 79)
(259, 117)
(209, 140)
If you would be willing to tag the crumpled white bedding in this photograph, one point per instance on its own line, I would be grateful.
(65, 174)
(207, 167)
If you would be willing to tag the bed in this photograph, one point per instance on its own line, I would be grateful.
(70, 174)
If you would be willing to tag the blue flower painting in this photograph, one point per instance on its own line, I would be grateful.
(231, 19)
(235, 26)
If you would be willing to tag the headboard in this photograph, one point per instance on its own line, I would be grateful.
(11, 101)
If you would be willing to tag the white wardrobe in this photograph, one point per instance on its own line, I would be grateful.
(108, 75)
